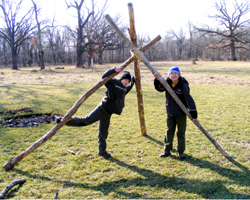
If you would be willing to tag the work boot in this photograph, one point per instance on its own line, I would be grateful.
(58, 119)
(182, 156)
(165, 154)
(105, 154)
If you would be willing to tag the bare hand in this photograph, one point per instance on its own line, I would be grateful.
(156, 77)
(196, 120)
(118, 69)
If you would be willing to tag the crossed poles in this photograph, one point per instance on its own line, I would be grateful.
(137, 55)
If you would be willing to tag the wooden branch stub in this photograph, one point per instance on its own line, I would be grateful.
(10, 164)
(5, 191)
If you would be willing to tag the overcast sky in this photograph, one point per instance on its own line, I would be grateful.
(151, 17)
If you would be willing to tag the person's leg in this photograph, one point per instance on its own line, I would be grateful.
(90, 118)
(103, 135)
(181, 130)
(169, 137)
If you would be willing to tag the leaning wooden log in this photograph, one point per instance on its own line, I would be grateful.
(10, 164)
(139, 55)
(137, 73)
(8, 188)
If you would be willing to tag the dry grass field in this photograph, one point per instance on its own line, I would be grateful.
(221, 91)
(204, 72)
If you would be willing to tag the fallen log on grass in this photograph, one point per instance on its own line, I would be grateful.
(10, 164)
(8, 188)
(139, 55)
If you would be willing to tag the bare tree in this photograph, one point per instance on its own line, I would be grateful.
(56, 45)
(98, 32)
(180, 41)
(106, 38)
(233, 28)
(17, 27)
(41, 25)
(79, 33)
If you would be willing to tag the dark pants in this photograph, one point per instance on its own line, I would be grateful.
(98, 114)
(172, 122)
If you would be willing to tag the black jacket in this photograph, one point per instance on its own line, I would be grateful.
(182, 91)
(114, 99)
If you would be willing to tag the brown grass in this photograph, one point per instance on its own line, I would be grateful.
(209, 72)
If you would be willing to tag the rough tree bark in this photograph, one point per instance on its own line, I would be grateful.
(133, 39)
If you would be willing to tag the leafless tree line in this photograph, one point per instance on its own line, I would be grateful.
(27, 39)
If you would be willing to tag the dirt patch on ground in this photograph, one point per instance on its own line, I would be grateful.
(25, 117)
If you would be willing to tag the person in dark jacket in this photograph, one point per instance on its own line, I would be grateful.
(175, 116)
(112, 102)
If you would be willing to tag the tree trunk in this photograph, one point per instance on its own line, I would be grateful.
(14, 58)
(4, 53)
(233, 56)
(41, 58)
(100, 58)
(90, 58)
(79, 60)
(92, 63)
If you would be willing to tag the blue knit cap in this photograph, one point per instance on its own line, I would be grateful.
(174, 68)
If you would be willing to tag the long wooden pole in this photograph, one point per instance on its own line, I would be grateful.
(137, 73)
(10, 164)
(142, 58)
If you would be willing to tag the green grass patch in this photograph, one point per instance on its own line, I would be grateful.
(135, 169)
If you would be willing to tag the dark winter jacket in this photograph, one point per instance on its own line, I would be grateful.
(182, 91)
(114, 99)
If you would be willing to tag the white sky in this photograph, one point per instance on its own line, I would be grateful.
(151, 17)
(158, 16)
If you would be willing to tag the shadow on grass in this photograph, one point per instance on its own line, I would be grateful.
(205, 189)
(245, 169)
(154, 140)
(241, 178)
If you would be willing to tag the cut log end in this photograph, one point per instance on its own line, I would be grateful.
(8, 166)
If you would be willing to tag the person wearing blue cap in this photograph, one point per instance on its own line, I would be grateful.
(175, 115)
(112, 102)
